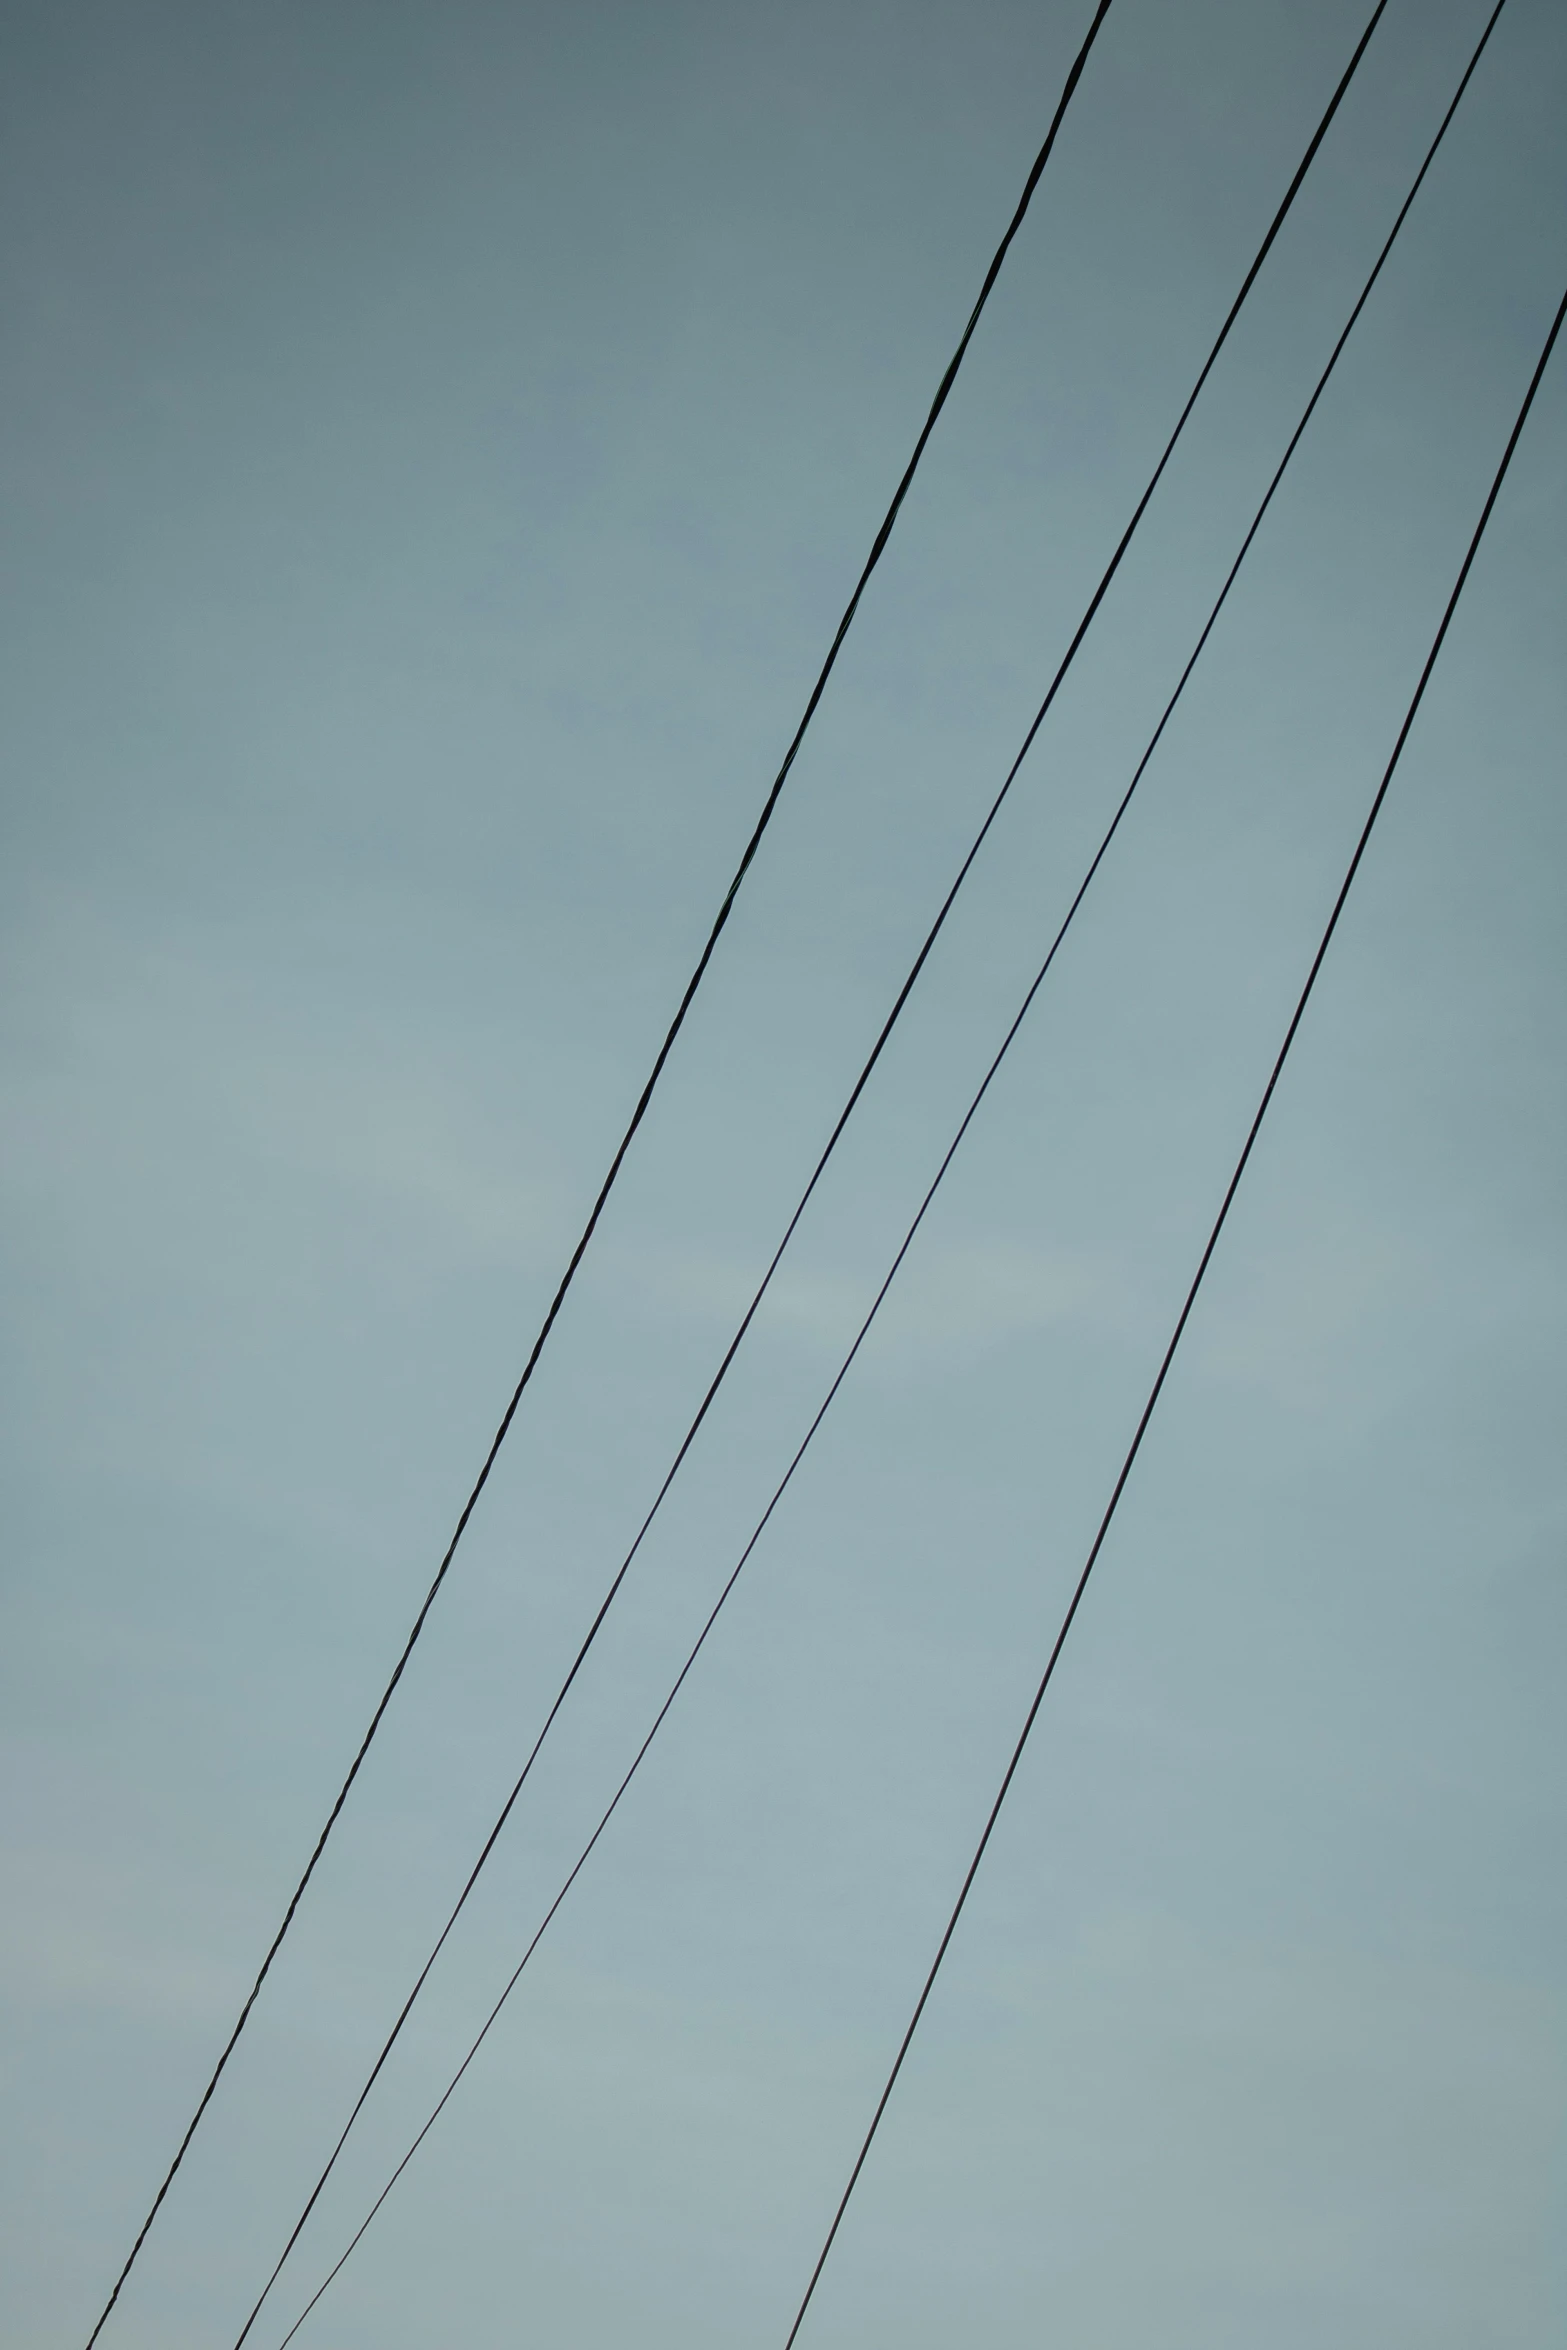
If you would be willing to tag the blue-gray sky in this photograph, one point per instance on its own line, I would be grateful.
(437, 445)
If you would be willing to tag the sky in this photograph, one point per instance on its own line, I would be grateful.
(437, 447)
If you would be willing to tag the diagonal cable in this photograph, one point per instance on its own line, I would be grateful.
(832, 1142)
(940, 1175)
(726, 906)
(1185, 1313)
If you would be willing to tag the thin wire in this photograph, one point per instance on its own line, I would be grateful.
(878, 547)
(1186, 1309)
(847, 1112)
(940, 1175)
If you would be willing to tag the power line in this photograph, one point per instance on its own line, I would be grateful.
(832, 1143)
(1186, 1309)
(726, 906)
(940, 1175)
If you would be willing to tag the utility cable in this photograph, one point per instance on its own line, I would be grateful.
(1186, 1310)
(936, 1183)
(756, 1301)
(878, 547)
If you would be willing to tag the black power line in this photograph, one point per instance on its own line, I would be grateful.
(1185, 1313)
(952, 1150)
(940, 1175)
(726, 906)
(831, 1145)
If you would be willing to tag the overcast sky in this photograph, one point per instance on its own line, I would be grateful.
(438, 443)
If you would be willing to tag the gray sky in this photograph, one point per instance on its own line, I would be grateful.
(437, 446)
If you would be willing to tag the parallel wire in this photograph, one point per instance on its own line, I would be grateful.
(936, 1183)
(847, 1112)
(1186, 1310)
(878, 547)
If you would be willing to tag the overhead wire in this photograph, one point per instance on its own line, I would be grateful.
(831, 1145)
(950, 1154)
(1184, 1316)
(726, 906)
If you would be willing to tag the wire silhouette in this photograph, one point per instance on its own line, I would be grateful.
(940, 1175)
(1186, 1310)
(831, 1145)
(726, 906)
